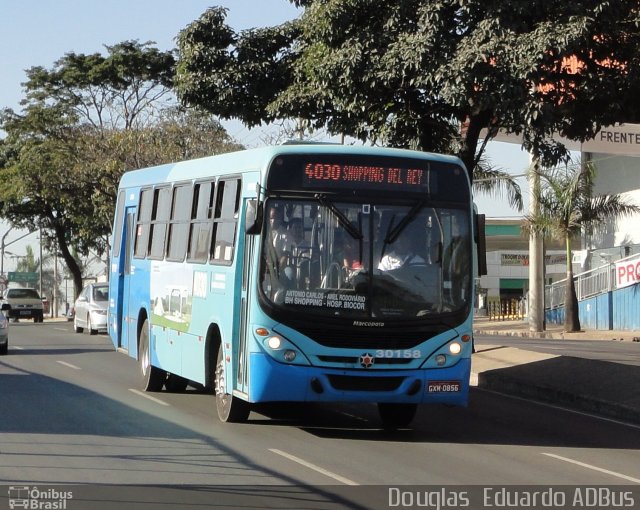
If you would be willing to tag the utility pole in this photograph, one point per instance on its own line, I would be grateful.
(536, 255)
(40, 283)
(3, 246)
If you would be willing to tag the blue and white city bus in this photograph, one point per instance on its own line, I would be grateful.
(309, 273)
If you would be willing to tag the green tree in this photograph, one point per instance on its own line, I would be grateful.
(30, 264)
(85, 122)
(567, 206)
(409, 73)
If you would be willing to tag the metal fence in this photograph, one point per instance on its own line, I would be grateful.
(590, 283)
(506, 309)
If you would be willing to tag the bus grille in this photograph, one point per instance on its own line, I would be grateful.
(352, 339)
(354, 360)
(354, 383)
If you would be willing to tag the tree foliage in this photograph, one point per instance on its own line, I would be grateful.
(84, 123)
(234, 75)
(408, 73)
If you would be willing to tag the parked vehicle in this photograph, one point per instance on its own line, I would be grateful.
(91, 309)
(22, 303)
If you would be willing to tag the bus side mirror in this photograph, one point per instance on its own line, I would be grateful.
(253, 217)
(481, 244)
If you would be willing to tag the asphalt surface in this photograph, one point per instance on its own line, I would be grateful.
(603, 388)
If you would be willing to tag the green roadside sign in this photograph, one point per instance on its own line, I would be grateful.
(15, 276)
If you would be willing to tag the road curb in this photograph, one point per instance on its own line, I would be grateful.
(494, 381)
(554, 335)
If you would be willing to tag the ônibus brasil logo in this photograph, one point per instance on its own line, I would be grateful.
(21, 496)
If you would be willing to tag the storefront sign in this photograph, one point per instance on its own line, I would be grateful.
(514, 259)
(519, 259)
(623, 139)
(627, 272)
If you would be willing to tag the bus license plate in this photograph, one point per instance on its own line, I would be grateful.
(443, 386)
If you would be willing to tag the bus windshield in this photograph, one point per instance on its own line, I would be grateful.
(365, 260)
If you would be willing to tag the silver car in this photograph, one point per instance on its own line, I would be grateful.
(91, 309)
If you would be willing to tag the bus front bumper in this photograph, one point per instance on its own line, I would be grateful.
(271, 381)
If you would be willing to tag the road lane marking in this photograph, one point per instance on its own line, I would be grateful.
(17, 348)
(594, 468)
(68, 365)
(149, 397)
(323, 471)
(66, 330)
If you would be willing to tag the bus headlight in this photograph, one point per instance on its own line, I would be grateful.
(280, 348)
(455, 348)
(441, 359)
(274, 342)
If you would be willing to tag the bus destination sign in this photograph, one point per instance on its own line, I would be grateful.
(324, 174)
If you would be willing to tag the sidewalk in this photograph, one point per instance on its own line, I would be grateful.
(485, 326)
(600, 387)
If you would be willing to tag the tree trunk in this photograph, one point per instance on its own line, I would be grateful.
(476, 123)
(571, 310)
(71, 263)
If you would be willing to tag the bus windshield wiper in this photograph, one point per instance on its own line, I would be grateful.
(344, 221)
(393, 234)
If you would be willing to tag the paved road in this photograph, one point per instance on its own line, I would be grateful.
(71, 414)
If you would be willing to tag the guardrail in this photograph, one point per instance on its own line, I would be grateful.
(590, 283)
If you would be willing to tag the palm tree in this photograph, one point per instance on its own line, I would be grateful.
(491, 180)
(30, 264)
(567, 204)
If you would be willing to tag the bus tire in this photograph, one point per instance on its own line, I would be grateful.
(396, 416)
(151, 378)
(230, 409)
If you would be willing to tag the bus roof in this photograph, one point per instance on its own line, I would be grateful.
(257, 160)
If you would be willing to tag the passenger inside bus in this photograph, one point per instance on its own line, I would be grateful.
(405, 252)
(277, 227)
(346, 251)
(293, 248)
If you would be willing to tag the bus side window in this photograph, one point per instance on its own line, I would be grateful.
(179, 223)
(117, 229)
(201, 216)
(144, 223)
(159, 218)
(225, 220)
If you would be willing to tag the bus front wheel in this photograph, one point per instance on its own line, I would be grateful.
(230, 409)
(151, 378)
(396, 416)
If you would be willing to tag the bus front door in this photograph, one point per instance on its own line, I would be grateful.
(124, 283)
(242, 355)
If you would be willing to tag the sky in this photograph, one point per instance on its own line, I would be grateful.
(39, 32)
